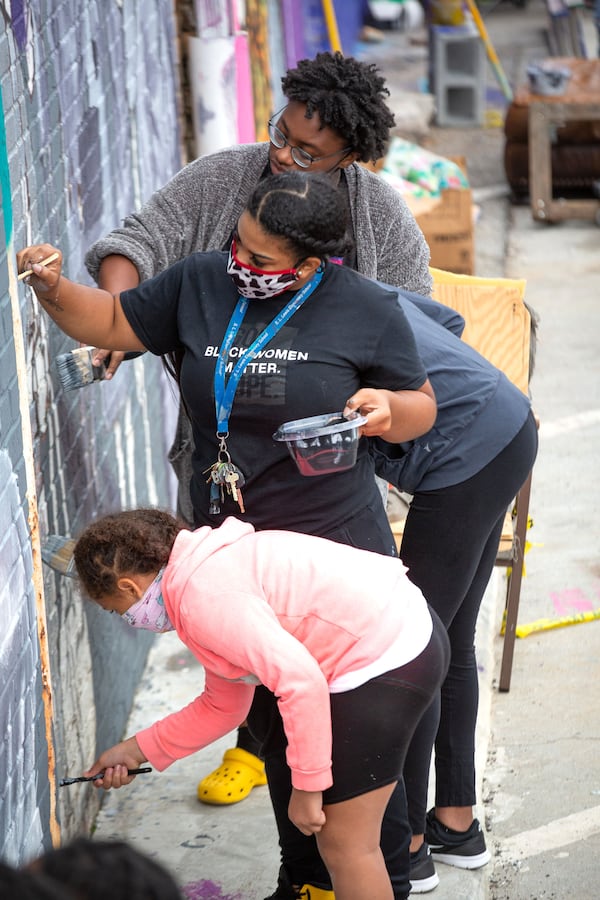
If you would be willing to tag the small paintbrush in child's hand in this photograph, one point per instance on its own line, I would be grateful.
(65, 781)
(75, 369)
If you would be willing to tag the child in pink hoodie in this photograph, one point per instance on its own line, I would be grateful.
(341, 637)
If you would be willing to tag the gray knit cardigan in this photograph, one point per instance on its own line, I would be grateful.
(199, 208)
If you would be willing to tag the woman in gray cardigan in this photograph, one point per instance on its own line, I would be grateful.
(336, 117)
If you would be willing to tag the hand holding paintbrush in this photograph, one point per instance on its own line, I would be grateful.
(66, 781)
(75, 368)
(33, 261)
(92, 316)
(117, 766)
(42, 262)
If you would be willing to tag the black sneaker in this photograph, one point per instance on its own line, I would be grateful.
(463, 849)
(287, 891)
(423, 877)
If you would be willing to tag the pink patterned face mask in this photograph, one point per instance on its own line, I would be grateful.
(149, 611)
(256, 284)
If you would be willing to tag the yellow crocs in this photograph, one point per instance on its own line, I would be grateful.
(315, 893)
(239, 772)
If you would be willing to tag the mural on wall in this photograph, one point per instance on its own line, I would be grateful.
(95, 150)
(90, 110)
(22, 755)
(25, 693)
(213, 18)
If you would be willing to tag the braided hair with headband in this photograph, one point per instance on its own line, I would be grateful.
(348, 96)
(307, 211)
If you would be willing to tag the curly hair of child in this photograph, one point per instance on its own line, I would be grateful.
(132, 541)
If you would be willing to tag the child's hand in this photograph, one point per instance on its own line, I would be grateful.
(306, 811)
(115, 763)
(45, 277)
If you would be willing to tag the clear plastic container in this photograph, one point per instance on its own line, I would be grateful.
(322, 445)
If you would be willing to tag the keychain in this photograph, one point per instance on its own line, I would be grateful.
(224, 474)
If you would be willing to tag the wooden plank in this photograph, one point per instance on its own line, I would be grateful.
(482, 301)
(542, 116)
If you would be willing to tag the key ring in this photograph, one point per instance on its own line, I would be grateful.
(223, 452)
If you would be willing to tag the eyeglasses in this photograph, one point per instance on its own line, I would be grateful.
(300, 156)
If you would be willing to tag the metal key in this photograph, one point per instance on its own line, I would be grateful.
(218, 472)
(236, 493)
(214, 507)
(231, 479)
(224, 474)
(234, 480)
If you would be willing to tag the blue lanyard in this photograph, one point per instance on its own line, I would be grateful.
(224, 394)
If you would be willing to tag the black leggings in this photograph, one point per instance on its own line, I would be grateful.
(450, 545)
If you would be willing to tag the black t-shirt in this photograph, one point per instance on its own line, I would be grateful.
(349, 333)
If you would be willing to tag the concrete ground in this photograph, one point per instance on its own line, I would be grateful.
(538, 745)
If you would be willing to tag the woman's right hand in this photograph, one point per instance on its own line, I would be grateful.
(115, 358)
(44, 278)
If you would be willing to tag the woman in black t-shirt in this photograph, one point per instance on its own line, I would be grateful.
(315, 337)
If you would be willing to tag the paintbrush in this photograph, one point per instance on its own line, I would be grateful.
(75, 368)
(42, 262)
(65, 781)
(57, 552)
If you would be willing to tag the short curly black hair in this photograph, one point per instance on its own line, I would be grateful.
(348, 96)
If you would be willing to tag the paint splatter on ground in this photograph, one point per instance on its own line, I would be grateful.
(207, 890)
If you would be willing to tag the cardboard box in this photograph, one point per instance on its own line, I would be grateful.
(448, 229)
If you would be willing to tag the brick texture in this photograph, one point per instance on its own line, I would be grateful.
(91, 127)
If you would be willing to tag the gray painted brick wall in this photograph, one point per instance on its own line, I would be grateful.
(89, 94)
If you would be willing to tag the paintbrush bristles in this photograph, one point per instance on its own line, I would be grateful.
(75, 369)
(57, 552)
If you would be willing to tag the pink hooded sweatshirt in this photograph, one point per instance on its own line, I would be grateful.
(292, 612)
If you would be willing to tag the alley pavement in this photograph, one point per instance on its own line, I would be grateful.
(538, 744)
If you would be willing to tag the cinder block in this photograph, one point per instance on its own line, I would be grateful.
(458, 74)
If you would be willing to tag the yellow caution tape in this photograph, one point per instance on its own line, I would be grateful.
(523, 631)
